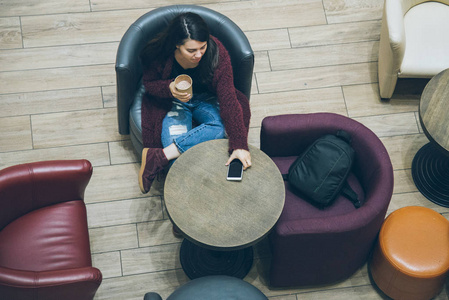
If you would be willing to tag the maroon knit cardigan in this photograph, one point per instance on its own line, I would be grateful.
(234, 105)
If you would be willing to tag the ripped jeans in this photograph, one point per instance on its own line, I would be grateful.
(177, 125)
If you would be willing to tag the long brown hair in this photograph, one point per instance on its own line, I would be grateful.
(185, 26)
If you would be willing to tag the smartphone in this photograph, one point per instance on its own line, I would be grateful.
(235, 170)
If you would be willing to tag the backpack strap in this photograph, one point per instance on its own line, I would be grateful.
(349, 193)
(344, 135)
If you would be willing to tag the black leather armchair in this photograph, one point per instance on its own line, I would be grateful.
(216, 287)
(129, 70)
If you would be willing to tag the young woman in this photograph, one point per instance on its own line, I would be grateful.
(216, 107)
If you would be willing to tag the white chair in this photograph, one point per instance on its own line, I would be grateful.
(414, 41)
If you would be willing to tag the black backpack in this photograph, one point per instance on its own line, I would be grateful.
(320, 173)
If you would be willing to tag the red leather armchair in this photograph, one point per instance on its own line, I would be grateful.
(44, 241)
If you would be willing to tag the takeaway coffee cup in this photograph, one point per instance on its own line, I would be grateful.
(183, 83)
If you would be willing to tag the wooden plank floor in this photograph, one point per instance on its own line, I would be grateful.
(57, 101)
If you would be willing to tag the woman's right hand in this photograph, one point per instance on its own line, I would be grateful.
(183, 97)
(241, 154)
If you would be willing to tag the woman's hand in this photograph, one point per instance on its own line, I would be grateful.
(243, 155)
(183, 97)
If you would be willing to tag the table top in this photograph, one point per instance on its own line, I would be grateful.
(216, 213)
(433, 110)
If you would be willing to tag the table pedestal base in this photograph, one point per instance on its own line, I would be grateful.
(430, 171)
(198, 262)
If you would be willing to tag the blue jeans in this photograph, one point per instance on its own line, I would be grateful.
(177, 125)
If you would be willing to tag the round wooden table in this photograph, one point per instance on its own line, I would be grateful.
(221, 219)
(430, 167)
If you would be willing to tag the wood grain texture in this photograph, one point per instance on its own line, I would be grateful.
(50, 101)
(390, 125)
(125, 211)
(341, 11)
(15, 133)
(109, 263)
(97, 154)
(56, 78)
(117, 182)
(364, 100)
(10, 33)
(77, 28)
(61, 56)
(109, 239)
(268, 14)
(433, 109)
(99, 5)
(217, 213)
(402, 148)
(31, 7)
(316, 77)
(305, 101)
(331, 34)
(341, 54)
(79, 127)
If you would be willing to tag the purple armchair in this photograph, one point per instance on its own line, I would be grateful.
(312, 246)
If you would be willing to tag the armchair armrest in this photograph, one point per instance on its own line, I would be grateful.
(239, 49)
(128, 73)
(392, 46)
(17, 284)
(291, 134)
(394, 15)
(35, 185)
(278, 135)
(152, 296)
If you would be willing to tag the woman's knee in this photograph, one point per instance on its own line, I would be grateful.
(218, 127)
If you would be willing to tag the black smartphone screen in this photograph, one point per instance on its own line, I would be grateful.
(235, 170)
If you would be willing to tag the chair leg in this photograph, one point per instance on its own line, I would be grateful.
(387, 84)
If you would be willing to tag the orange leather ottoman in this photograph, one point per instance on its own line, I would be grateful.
(411, 258)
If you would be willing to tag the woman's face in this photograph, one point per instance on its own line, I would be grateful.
(192, 51)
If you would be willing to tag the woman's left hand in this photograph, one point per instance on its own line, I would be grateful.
(183, 97)
(243, 155)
